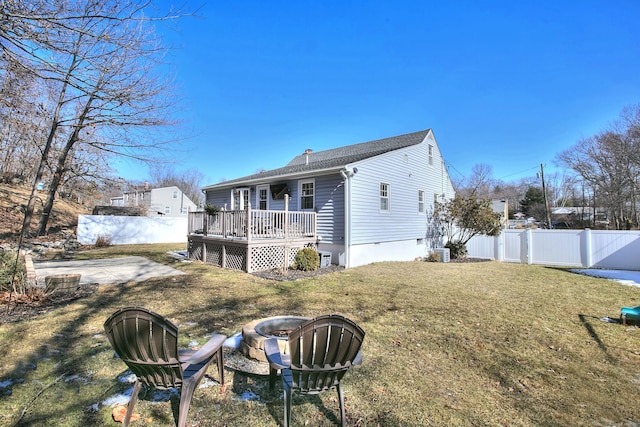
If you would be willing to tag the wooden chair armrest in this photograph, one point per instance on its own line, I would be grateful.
(276, 359)
(206, 351)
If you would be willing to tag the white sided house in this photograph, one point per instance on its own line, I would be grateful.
(163, 201)
(362, 203)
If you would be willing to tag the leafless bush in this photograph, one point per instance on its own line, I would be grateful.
(103, 242)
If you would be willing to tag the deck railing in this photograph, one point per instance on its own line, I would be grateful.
(254, 224)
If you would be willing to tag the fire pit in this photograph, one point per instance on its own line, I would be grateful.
(254, 334)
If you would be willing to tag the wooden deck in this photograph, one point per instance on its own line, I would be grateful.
(250, 240)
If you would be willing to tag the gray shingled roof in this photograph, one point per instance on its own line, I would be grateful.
(337, 157)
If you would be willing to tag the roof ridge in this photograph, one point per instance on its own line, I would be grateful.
(360, 145)
(333, 158)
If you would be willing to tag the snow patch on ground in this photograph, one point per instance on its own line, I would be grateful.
(118, 399)
(625, 277)
(233, 341)
(247, 395)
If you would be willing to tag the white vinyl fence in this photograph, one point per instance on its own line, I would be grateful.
(613, 249)
(123, 230)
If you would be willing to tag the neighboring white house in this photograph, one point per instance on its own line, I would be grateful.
(373, 200)
(164, 201)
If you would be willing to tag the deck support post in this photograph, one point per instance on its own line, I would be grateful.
(224, 223)
(223, 261)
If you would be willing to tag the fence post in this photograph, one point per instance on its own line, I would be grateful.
(528, 236)
(587, 261)
(499, 247)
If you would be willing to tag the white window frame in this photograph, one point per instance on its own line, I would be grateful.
(175, 194)
(260, 188)
(241, 198)
(167, 210)
(421, 201)
(301, 184)
(430, 155)
(384, 194)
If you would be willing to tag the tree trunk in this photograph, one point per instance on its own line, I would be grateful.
(53, 187)
(31, 204)
(58, 175)
(55, 122)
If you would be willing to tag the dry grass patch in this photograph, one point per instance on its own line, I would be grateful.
(447, 344)
(13, 199)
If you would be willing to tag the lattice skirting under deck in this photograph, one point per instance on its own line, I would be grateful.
(270, 257)
(243, 257)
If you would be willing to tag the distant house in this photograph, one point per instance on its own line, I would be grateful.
(501, 207)
(359, 204)
(164, 201)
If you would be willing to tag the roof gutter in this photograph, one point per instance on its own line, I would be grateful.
(269, 178)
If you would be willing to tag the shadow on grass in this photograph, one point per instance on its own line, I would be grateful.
(67, 347)
(276, 404)
(248, 386)
(169, 397)
(592, 332)
(64, 341)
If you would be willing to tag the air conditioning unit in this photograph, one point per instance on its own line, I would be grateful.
(325, 259)
(443, 253)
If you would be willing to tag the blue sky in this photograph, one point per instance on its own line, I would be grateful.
(505, 83)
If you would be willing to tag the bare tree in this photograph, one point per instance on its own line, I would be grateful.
(629, 126)
(23, 111)
(101, 57)
(480, 183)
(560, 188)
(608, 163)
(189, 182)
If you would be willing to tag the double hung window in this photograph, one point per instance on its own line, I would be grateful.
(307, 195)
(384, 197)
(263, 197)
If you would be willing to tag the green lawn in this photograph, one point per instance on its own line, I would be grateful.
(468, 344)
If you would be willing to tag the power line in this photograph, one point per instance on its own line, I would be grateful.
(449, 165)
(518, 173)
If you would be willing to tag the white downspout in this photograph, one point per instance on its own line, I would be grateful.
(347, 217)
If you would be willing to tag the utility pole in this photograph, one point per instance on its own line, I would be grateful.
(546, 201)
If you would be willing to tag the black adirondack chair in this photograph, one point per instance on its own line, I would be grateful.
(148, 344)
(321, 351)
